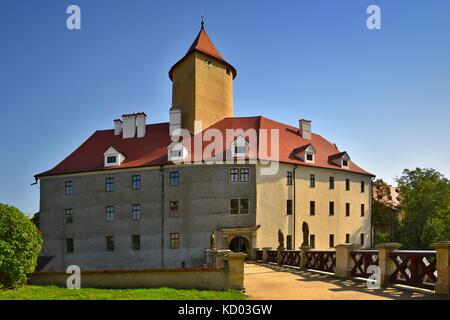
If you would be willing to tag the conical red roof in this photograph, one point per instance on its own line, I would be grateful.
(203, 43)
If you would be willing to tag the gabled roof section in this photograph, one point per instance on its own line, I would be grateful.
(203, 44)
(340, 155)
(308, 147)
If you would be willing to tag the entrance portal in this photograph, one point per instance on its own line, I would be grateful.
(239, 244)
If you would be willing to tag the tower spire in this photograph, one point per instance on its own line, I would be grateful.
(203, 22)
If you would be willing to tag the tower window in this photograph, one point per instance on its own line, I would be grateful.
(136, 242)
(174, 205)
(331, 241)
(347, 184)
(68, 187)
(363, 210)
(69, 245)
(312, 180)
(347, 238)
(312, 241)
(109, 214)
(331, 183)
(136, 212)
(174, 241)
(174, 179)
(136, 182)
(289, 178)
(109, 184)
(312, 208)
(362, 239)
(331, 208)
(289, 242)
(289, 207)
(347, 209)
(109, 244)
(69, 216)
(363, 187)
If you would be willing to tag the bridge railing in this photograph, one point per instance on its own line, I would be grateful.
(321, 260)
(362, 260)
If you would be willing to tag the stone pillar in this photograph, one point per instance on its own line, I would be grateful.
(344, 262)
(442, 285)
(253, 255)
(386, 264)
(220, 258)
(279, 251)
(264, 259)
(211, 258)
(303, 257)
(235, 270)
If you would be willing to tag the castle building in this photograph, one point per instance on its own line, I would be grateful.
(128, 199)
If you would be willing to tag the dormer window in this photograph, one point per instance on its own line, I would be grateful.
(306, 153)
(341, 159)
(176, 151)
(239, 147)
(113, 157)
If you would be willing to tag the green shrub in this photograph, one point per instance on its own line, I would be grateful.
(20, 244)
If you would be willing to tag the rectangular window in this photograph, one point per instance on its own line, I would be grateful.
(363, 187)
(136, 212)
(111, 159)
(174, 241)
(331, 208)
(331, 241)
(245, 175)
(240, 150)
(109, 214)
(174, 179)
(244, 204)
(312, 208)
(234, 206)
(109, 184)
(68, 187)
(309, 157)
(362, 239)
(312, 180)
(289, 242)
(234, 175)
(136, 242)
(347, 209)
(289, 207)
(347, 184)
(344, 163)
(363, 210)
(347, 238)
(289, 177)
(69, 216)
(69, 245)
(312, 240)
(174, 206)
(109, 244)
(331, 183)
(136, 182)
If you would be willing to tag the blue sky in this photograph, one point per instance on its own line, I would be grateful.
(384, 96)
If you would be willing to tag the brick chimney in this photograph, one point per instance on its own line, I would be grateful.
(305, 128)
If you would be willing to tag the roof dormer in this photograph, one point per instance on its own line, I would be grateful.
(306, 153)
(176, 151)
(113, 158)
(239, 147)
(341, 159)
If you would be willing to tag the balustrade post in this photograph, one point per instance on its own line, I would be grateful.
(303, 256)
(265, 250)
(279, 257)
(386, 264)
(344, 262)
(442, 285)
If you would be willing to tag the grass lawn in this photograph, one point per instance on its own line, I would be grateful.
(56, 293)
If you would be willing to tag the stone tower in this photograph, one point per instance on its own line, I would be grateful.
(202, 84)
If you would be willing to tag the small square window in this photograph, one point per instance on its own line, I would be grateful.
(174, 206)
(136, 182)
(69, 245)
(344, 163)
(68, 187)
(174, 179)
(109, 244)
(240, 150)
(136, 212)
(174, 241)
(109, 214)
(309, 157)
(111, 159)
(69, 216)
(136, 242)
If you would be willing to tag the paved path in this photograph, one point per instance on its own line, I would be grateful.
(277, 283)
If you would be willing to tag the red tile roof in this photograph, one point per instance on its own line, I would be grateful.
(151, 150)
(204, 44)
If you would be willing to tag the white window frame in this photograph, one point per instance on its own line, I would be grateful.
(239, 142)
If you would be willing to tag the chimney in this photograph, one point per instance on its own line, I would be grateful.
(175, 122)
(118, 127)
(305, 129)
(141, 124)
(129, 126)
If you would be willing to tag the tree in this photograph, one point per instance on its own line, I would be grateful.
(20, 244)
(384, 217)
(425, 208)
